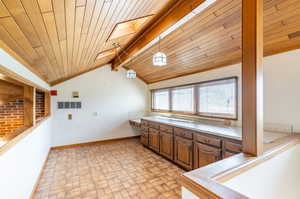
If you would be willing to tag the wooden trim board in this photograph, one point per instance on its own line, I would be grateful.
(92, 143)
(206, 182)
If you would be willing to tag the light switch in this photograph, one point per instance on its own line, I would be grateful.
(69, 116)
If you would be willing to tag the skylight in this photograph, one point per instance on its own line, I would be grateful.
(127, 28)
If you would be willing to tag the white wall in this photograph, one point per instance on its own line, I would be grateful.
(21, 165)
(281, 85)
(108, 98)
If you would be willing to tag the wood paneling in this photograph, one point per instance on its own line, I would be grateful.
(9, 92)
(212, 39)
(61, 38)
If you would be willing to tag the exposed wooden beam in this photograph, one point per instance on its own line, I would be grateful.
(252, 76)
(170, 17)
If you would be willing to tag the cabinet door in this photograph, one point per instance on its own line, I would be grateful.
(166, 145)
(154, 140)
(204, 155)
(144, 138)
(184, 152)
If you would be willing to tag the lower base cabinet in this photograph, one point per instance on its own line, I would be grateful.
(153, 139)
(204, 155)
(166, 145)
(183, 152)
(144, 138)
(188, 149)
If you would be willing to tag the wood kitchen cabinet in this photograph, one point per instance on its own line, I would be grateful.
(153, 139)
(166, 145)
(204, 155)
(187, 148)
(183, 152)
(144, 138)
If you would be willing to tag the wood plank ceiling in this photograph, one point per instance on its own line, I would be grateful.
(61, 38)
(213, 39)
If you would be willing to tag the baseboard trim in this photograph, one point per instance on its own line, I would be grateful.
(92, 143)
(39, 177)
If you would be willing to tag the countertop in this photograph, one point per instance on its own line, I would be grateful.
(212, 128)
(205, 127)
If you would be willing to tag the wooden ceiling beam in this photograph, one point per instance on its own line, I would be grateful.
(167, 19)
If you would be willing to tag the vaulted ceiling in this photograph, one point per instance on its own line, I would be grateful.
(212, 39)
(60, 39)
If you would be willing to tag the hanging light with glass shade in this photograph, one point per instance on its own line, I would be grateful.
(130, 74)
(159, 58)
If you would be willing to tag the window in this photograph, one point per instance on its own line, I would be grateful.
(217, 98)
(183, 99)
(160, 99)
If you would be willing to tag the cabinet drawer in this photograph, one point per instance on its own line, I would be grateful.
(204, 155)
(207, 140)
(233, 147)
(144, 123)
(152, 130)
(166, 128)
(144, 128)
(183, 133)
(153, 125)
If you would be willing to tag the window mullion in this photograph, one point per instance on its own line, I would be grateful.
(170, 99)
(196, 98)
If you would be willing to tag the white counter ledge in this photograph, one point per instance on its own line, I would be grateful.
(205, 127)
(231, 132)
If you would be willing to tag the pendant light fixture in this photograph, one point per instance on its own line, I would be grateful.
(159, 58)
(130, 74)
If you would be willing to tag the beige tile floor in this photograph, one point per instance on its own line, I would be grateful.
(123, 169)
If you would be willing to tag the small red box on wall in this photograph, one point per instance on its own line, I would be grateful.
(53, 92)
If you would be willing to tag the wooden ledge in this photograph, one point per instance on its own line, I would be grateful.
(20, 133)
(206, 182)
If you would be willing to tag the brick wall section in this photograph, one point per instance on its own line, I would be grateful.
(11, 116)
(40, 105)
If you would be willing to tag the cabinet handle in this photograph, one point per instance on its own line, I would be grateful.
(208, 152)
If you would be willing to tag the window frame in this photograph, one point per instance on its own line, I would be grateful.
(196, 101)
(152, 100)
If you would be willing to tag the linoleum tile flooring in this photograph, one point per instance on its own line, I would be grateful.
(123, 169)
